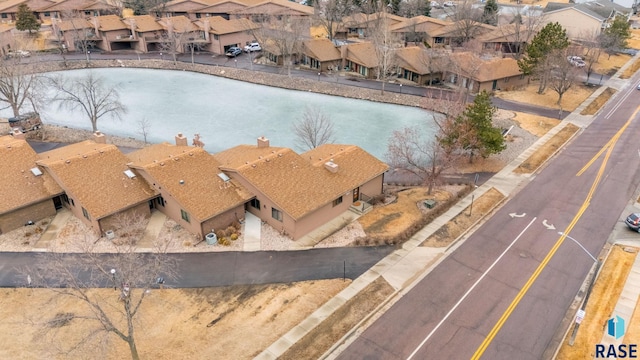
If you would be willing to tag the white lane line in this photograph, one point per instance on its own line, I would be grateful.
(624, 98)
(469, 291)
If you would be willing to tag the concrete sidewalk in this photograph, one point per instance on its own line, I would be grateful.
(58, 222)
(252, 228)
(151, 232)
(407, 265)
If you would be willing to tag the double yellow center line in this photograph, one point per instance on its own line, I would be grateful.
(608, 147)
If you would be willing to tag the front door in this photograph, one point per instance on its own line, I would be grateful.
(57, 202)
(356, 194)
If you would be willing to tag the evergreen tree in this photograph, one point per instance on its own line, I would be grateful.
(26, 20)
(395, 6)
(616, 35)
(490, 15)
(426, 10)
(551, 38)
(485, 139)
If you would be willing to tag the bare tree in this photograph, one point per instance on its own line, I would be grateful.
(385, 45)
(330, 13)
(88, 94)
(284, 33)
(144, 125)
(590, 50)
(314, 129)
(132, 274)
(563, 74)
(18, 87)
(522, 27)
(467, 19)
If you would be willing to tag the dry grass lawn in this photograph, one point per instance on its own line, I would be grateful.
(634, 41)
(599, 102)
(393, 219)
(575, 96)
(631, 70)
(602, 301)
(320, 339)
(172, 323)
(546, 151)
(609, 64)
(463, 221)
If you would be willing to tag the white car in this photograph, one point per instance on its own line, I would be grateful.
(448, 4)
(435, 5)
(18, 53)
(254, 46)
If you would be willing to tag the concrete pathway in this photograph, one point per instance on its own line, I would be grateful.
(252, 227)
(151, 232)
(626, 304)
(58, 222)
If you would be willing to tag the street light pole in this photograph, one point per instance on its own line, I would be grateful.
(113, 275)
(581, 312)
(400, 88)
(318, 76)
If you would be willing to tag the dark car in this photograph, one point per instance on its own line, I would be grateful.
(233, 51)
(633, 222)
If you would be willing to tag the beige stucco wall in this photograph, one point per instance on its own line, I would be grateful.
(577, 24)
(235, 39)
(17, 218)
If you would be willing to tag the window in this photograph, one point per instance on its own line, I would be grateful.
(72, 203)
(255, 203)
(276, 214)
(85, 213)
(185, 216)
(198, 15)
(337, 201)
(216, 37)
(47, 14)
(506, 80)
(4, 16)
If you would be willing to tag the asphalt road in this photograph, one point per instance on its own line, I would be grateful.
(229, 268)
(469, 304)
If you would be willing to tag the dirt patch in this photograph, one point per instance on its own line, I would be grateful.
(598, 102)
(546, 151)
(535, 124)
(465, 220)
(575, 96)
(602, 302)
(328, 332)
(173, 324)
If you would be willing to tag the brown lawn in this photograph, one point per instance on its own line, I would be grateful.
(575, 96)
(598, 102)
(600, 307)
(394, 219)
(172, 323)
(481, 206)
(535, 124)
(609, 64)
(546, 151)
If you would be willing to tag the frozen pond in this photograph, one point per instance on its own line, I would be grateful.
(227, 113)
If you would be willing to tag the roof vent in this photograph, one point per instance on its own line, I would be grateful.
(68, 162)
(129, 174)
(331, 166)
(36, 171)
(181, 182)
(162, 164)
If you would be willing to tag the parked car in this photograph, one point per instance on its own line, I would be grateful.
(576, 61)
(254, 46)
(26, 122)
(18, 54)
(448, 4)
(233, 51)
(435, 5)
(633, 222)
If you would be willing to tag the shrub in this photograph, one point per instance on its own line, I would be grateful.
(224, 241)
(220, 234)
(231, 230)
(236, 225)
(187, 243)
(234, 236)
(27, 234)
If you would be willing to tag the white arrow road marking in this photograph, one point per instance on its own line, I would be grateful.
(548, 226)
(514, 215)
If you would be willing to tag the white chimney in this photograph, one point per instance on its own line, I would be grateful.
(331, 166)
(99, 138)
(181, 140)
(17, 134)
(263, 142)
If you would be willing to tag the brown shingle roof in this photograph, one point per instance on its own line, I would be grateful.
(417, 59)
(361, 19)
(74, 24)
(11, 6)
(203, 193)
(363, 54)
(508, 33)
(314, 186)
(180, 24)
(111, 22)
(93, 174)
(483, 70)
(226, 6)
(422, 24)
(321, 49)
(145, 23)
(220, 26)
(18, 185)
(455, 29)
(277, 7)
